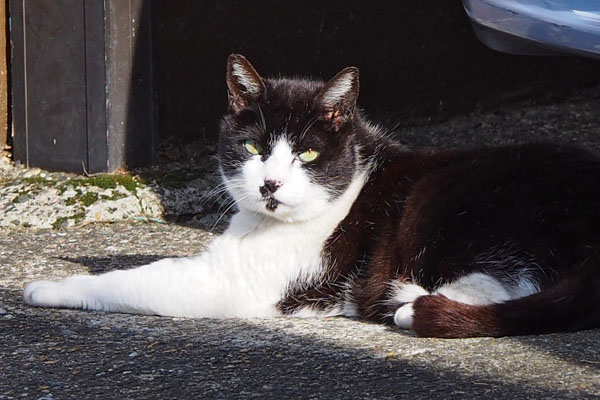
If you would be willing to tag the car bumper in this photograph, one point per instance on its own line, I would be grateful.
(537, 26)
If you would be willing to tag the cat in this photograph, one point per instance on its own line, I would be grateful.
(337, 219)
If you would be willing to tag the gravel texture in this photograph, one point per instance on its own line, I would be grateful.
(75, 354)
(63, 354)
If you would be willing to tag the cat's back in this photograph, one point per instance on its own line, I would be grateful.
(480, 186)
(539, 172)
(536, 164)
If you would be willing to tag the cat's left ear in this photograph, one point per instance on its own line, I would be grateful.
(244, 85)
(337, 99)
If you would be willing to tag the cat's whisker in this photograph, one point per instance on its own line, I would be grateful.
(220, 190)
(226, 204)
(223, 189)
(263, 123)
(307, 127)
(217, 198)
(227, 210)
(214, 192)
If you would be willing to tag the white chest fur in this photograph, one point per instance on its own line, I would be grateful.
(263, 256)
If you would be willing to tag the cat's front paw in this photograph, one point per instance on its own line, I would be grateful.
(405, 294)
(42, 294)
(403, 317)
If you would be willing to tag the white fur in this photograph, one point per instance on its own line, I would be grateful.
(481, 289)
(308, 312)
(244, 273)
(403, 292)
(473, 289)
(300, 199)
(338, 90)
(245, 78)
(349, 309)
(403, 317)
(525, 286)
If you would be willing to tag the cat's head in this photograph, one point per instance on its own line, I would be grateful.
(287, 146)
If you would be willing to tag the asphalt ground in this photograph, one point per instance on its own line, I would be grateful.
(64, 354)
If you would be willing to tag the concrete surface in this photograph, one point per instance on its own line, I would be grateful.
(75, 354)
(63, 354)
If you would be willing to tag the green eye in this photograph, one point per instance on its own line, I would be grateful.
(252, 147)
(308, 156)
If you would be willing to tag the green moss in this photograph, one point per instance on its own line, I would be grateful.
(60, 222)
(61, 190)
(107, 181)
(113, 197)
(88, 199)
(38, 180)
(71, 201)
(23, 195)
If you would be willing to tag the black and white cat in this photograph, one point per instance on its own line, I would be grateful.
(336, 219)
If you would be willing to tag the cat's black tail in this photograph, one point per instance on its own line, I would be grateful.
(570, 305)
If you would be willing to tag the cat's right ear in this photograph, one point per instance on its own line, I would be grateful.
(244, 85)
(337, 99)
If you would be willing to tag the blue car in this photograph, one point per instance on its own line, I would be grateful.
(537, 26)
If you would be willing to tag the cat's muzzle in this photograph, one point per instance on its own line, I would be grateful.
(272, 203)
(267, 190)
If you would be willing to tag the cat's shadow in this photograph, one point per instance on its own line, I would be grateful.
(98, 265)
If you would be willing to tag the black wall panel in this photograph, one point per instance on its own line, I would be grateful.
(82, 84)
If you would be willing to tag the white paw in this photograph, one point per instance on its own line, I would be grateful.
(42, 293)
(403, 317)
(407, 292)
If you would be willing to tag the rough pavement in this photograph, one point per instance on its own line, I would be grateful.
(76, 354)
(62, 354)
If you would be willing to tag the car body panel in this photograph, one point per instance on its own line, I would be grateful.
(537, 26)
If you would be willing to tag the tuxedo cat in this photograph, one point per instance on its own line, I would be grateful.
(337, 219)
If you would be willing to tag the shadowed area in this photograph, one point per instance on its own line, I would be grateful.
(97, 265)
(419, 61)
(74, 353)
(79, 354)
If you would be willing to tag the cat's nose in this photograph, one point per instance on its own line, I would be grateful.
(269, 187)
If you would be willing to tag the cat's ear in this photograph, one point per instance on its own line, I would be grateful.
(244, 85)
(337, 99)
